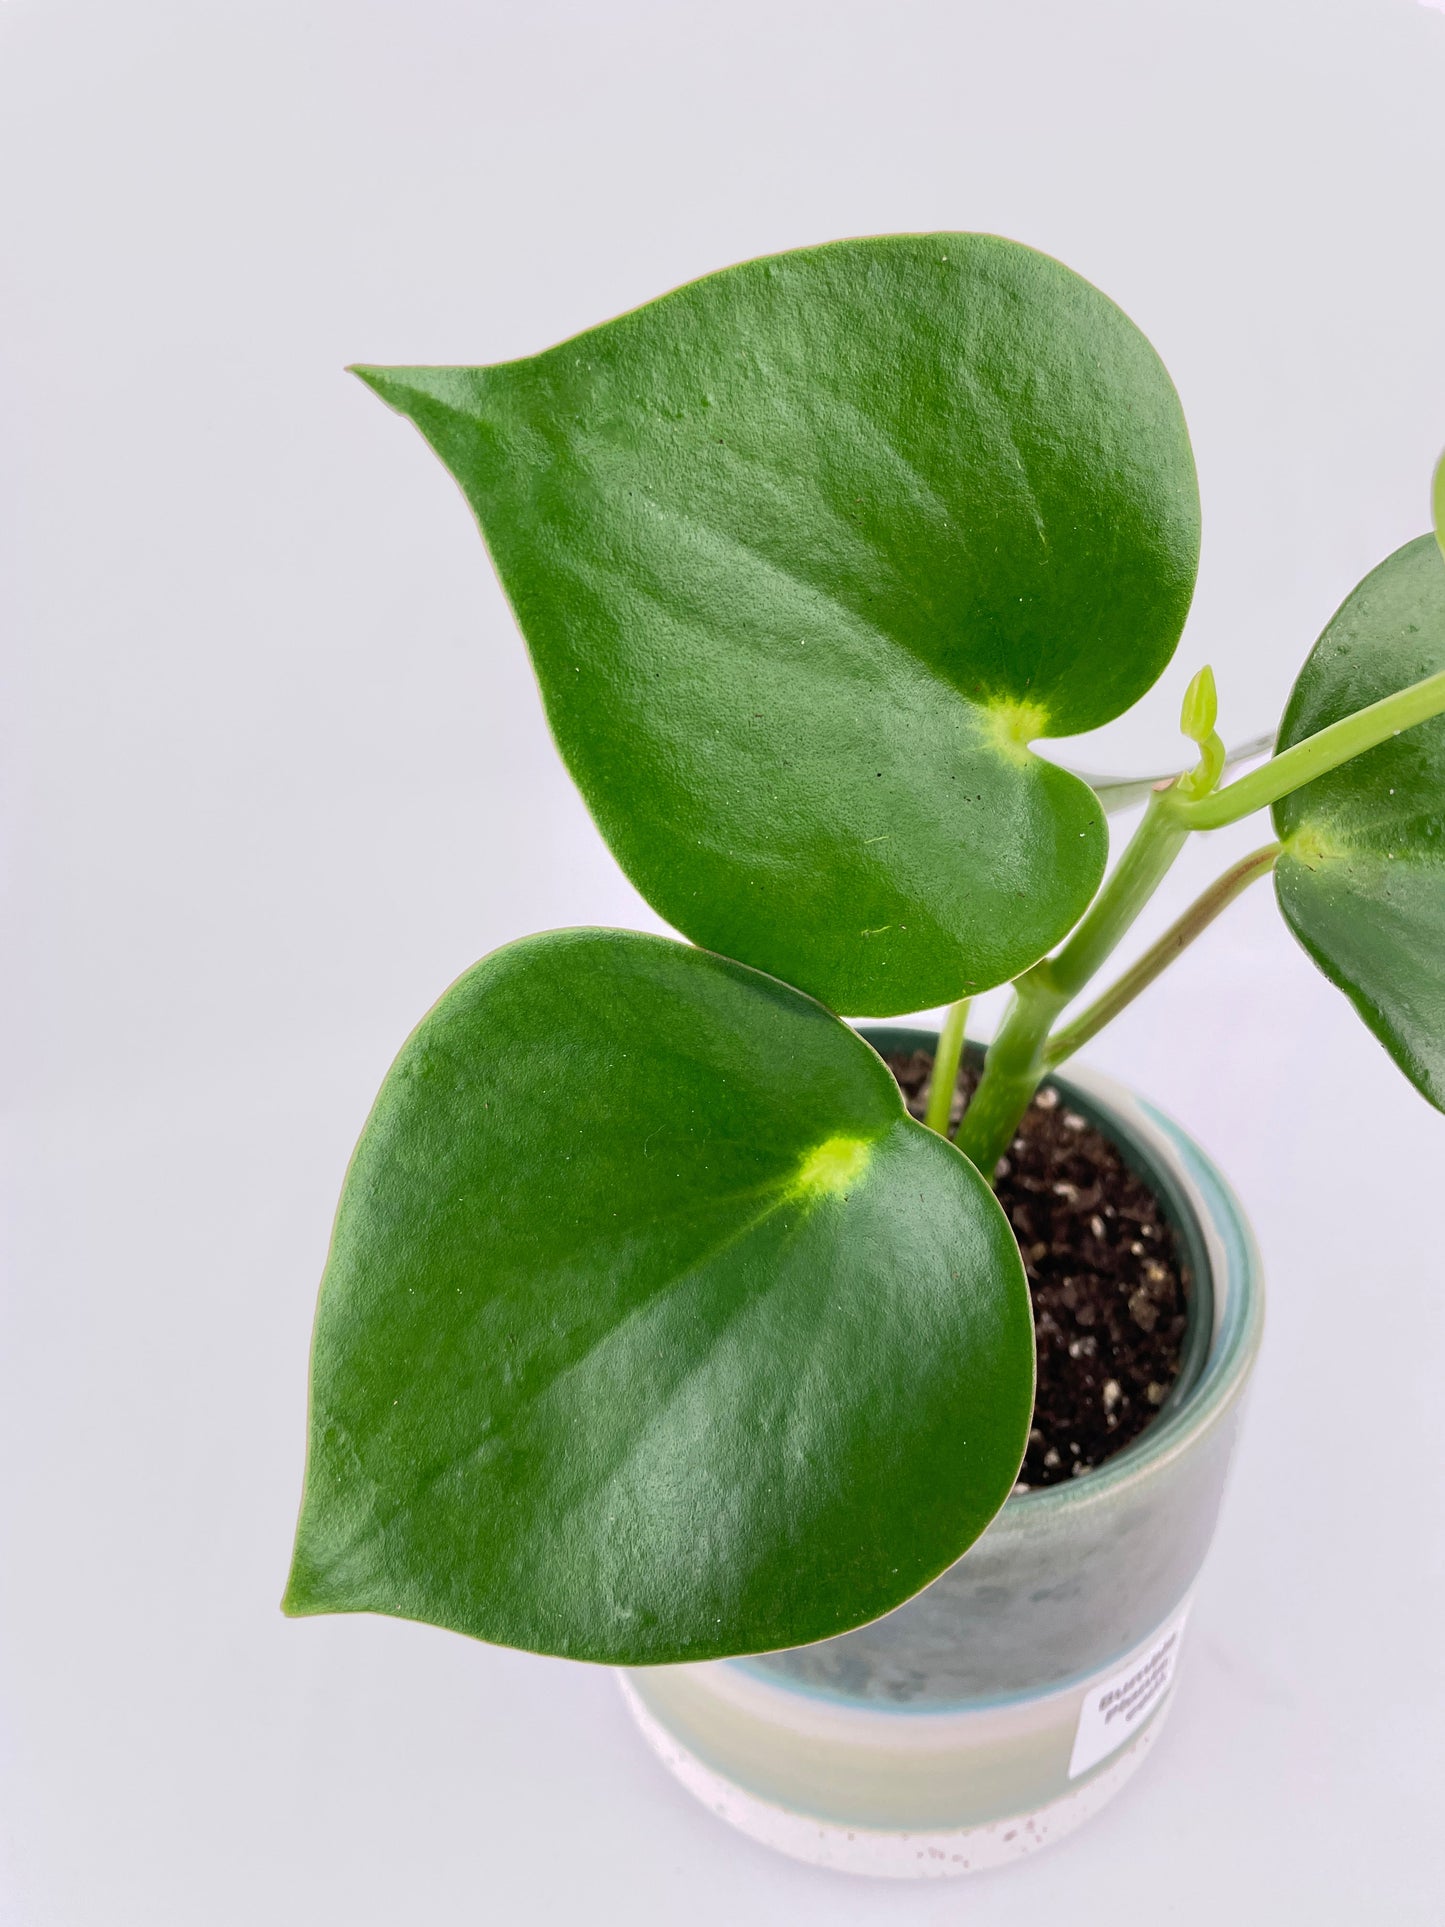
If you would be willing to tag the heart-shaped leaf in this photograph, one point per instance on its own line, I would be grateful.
(654, 1328)
(807, 553)
(1361, 879)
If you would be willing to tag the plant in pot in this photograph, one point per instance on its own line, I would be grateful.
(666, 1325)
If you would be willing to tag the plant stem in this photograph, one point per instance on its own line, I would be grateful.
(1011, 1074)
(1016, 1061)
(1147, 858)
(1180, 934)
(1021, 1055)
(945, 1068)
(1293, 768)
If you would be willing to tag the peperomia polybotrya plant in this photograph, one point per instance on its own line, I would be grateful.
(654, 1328)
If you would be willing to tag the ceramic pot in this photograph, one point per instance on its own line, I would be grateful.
(1013, 1698)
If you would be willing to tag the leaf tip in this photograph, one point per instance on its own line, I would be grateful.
(375, 378)
(294, 1604)
(302, 1598)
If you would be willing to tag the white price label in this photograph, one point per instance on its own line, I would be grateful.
(1116, 1710)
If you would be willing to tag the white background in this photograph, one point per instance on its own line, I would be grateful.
(274, 772)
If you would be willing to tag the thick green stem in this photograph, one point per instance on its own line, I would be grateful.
(1016, 1061)
(945, 1068)
(1011, 1075)
(1315, 756)
(1180, 934)
(1135, 877)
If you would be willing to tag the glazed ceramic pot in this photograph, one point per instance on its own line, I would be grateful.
(1014, 1697)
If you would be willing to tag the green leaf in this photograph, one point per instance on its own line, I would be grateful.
(653, 1328)
(1361, 878)
(806, 554)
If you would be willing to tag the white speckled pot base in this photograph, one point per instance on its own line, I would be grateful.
(887, 1855)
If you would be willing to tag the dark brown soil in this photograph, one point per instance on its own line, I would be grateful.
(1106, 1279)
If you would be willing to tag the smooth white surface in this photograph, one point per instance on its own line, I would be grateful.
(274, 772)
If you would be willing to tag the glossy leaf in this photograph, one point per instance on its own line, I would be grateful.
(807, 553)
(1361, 878)
(654, 1328)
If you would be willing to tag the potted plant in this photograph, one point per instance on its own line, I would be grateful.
(657, 1330)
